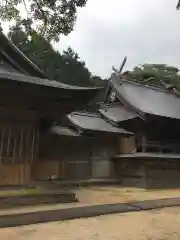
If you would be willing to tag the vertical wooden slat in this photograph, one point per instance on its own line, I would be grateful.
(14, 150)
(62, 170)
(21, 144)
(27, 155)
(33, 145)
(9, 139)
(2, 142)
(37, 143)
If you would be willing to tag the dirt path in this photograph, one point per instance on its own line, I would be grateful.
(153, 225)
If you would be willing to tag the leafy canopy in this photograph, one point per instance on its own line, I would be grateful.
(155, 73)
(50, 18)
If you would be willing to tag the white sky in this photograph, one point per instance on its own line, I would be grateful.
(142, 30)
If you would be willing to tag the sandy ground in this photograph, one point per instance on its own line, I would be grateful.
(150, 225)
(101, 195)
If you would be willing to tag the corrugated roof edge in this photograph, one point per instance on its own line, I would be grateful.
(103, 107)
(85, 113)
(8, 42)
(109, 105)
(43, 82)
(95, 115)
(61, 130)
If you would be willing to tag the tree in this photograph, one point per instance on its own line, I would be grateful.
(155, 73)
(178, 4)
(74, 69)
(49, 18)
(67, 68)
(98, 81)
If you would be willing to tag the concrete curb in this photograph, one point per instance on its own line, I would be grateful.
(15, 220)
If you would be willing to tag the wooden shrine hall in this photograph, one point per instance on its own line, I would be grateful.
(46, 132)
(39, 134)
(29, 103)
(151, 158)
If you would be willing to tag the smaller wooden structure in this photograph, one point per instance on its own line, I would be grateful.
(151, 158)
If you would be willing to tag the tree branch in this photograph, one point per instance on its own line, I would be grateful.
(43, 13)
(25, 6)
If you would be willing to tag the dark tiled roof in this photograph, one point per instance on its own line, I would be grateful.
(117, 113)
(146, 99)
(94, 122)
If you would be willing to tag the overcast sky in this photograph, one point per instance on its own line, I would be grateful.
(142, 30)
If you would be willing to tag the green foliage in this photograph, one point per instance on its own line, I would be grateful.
(154, 73)
(178, 5)
(67, 68)
(49, 18)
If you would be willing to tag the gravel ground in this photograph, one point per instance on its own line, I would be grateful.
(116, 194)
(161, 224)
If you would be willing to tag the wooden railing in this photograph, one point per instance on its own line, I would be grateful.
(161, 147)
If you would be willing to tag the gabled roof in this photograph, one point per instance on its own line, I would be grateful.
(146, 99)
(91, 122)
(117, 113)
(17, 58)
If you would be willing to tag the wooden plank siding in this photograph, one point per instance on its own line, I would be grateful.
(17, 152)
(155, 173)
(74, 158)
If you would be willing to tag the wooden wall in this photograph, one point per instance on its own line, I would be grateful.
(127, 145)
(73, 158)
(18, 149)
(45, 170)
(15, 174)
(155, 173)
(130, 173)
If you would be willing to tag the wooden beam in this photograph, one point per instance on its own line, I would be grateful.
(2, 141)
